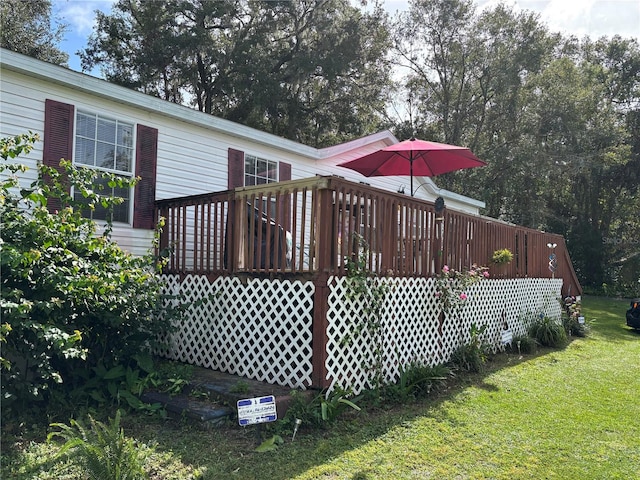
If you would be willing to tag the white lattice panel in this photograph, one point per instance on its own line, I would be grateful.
(411, 325)
(263, 329)
(409, 332)
(260, 330)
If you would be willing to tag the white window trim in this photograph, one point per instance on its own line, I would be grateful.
(275, 163)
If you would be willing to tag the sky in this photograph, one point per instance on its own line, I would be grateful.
(593, 18)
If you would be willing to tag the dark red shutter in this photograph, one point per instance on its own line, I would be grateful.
(145, 190)
(235, 169)
(285, 172)
(58, 139)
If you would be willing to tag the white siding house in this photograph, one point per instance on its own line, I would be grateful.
(278, 307)
(189, 152)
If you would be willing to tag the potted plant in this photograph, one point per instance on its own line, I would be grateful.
(502, 256)
(499, 260)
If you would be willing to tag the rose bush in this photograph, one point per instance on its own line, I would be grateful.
(451, 286)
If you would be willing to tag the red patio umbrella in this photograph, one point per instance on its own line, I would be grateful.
(414, 157)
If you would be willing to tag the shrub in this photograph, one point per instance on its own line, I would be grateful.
(572, 319)
(501, 256)
(524, 344)
(472, 356)
(417, 380)
(573, 327)
(548, 332)
(322, 409)
(102, 451)
(74, 304)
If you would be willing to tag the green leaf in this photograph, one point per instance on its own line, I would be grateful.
(145, 362)
(349, 403)
(270, 444)
(116, 372)
(132, 400)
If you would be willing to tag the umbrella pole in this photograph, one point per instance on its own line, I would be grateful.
(411, 167)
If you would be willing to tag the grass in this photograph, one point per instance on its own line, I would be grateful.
(567, 414)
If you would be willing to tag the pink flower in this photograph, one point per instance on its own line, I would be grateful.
(486, 274)
(463, 296)
(445, 269)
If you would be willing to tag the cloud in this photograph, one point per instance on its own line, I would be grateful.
(581, 17)
(80, 14)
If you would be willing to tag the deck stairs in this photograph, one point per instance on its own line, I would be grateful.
(211, 397)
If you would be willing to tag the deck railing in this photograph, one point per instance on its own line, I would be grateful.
(308, 227)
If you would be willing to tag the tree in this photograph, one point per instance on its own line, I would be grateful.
(431, 42)
(315, 71)
(470, 77)
(599, 158)
(26, 27)
(554, 117)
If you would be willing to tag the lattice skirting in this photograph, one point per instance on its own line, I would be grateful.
(410, 328)
(260, 329)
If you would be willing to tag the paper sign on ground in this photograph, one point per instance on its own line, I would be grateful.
(257, 410)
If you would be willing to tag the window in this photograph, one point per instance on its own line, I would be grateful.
(106, 145)
(258, 171)
(59, 142)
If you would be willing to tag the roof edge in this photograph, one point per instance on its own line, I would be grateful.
(102, 88)
(432, 188)
(385, 136)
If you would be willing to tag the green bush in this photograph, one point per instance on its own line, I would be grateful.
(75, 306)
(501, 256)
(102, 451)
(322, 409)
(472, 356)
(572, 320)
(524, 344)
(573, 327)
(417, 380)
(548, 332)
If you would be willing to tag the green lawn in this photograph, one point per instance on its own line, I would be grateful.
(565, 414)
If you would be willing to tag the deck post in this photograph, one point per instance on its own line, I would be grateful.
(163, 243)
(320, 338)
(439, 243)
(325, 235)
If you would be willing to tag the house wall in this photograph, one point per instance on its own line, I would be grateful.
(192, 147)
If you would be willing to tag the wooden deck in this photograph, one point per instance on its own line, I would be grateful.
(306, 228)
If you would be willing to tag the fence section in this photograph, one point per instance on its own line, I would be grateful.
(261, 329)
(196, 235)
(264, 329)
(412, 329)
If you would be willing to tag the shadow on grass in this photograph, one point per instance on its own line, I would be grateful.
(229, 452)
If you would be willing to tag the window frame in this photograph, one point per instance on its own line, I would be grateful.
(271, 166)
(132, 147)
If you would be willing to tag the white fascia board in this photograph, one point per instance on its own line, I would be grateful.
(431, 187)
(101, 88)
(384, 136)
